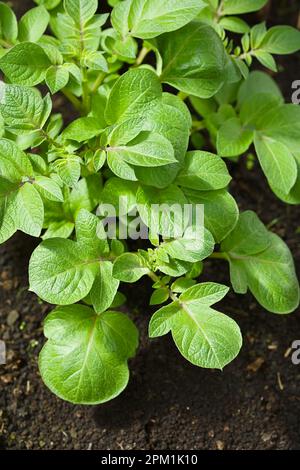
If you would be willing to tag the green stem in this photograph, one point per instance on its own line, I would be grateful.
(198, 125)
(85, 93)
(50, 140)
(98, 82)
(5, 44)
(75, 101)
(143, 53)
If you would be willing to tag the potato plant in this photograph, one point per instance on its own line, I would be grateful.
(162, 98)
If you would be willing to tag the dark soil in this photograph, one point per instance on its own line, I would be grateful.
(169, 404)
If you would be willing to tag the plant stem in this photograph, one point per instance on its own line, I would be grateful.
(198, 125)
(85, 93)
(98, 82)
(140, 58)
(73, 99)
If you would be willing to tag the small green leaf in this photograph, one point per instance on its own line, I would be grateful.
(237, 7)
(204, 336)
(104, 288)
(233, 139)
(281, 40)
(48, 188)
(82, 129)
(277, 162)
(204, 171)
(85, 358)
(129, 267)
(56, 78)
(159, 296)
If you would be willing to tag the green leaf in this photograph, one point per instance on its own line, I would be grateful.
(48, 188)
(8, 23)
(170, 118)
(148, 149)
(134, 93)
(237, 7)
(56, 78)
(23, 109)
(204, 336)
(193, 246)
(33, 24)
(68, 169)
(149, 18)
(49, 4)
(115, 189)
(104, 288)
(235, 25)
(120, 168)
(95, 60)
(281, 40)
(29, 210)
(257, 83)
(261, 261)
(163, 211)
(82, 129)
(216, 203)
(159, 296)
(277, 162)
(193, 60)
(129, 267)
(63, 271)
(85, 358)
(25, 64)
(81, 10)
(266, 60)
(233, 138)
(250, 236)
(204, 171)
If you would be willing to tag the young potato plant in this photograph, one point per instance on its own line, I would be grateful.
(147, 84)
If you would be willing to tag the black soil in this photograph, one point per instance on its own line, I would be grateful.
(169, 404)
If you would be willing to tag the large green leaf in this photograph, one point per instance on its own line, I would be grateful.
(281, 40)
(146, 150)
(204, 336)
(277, 162)
(149, 18)
(23, 109)
(25, 64)
(85, 358)
(193, 59)
(203, 171)
(33, 24)
(21, 207)
(63, 271)
(134, 93)
(8, 23)
(261, 261)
